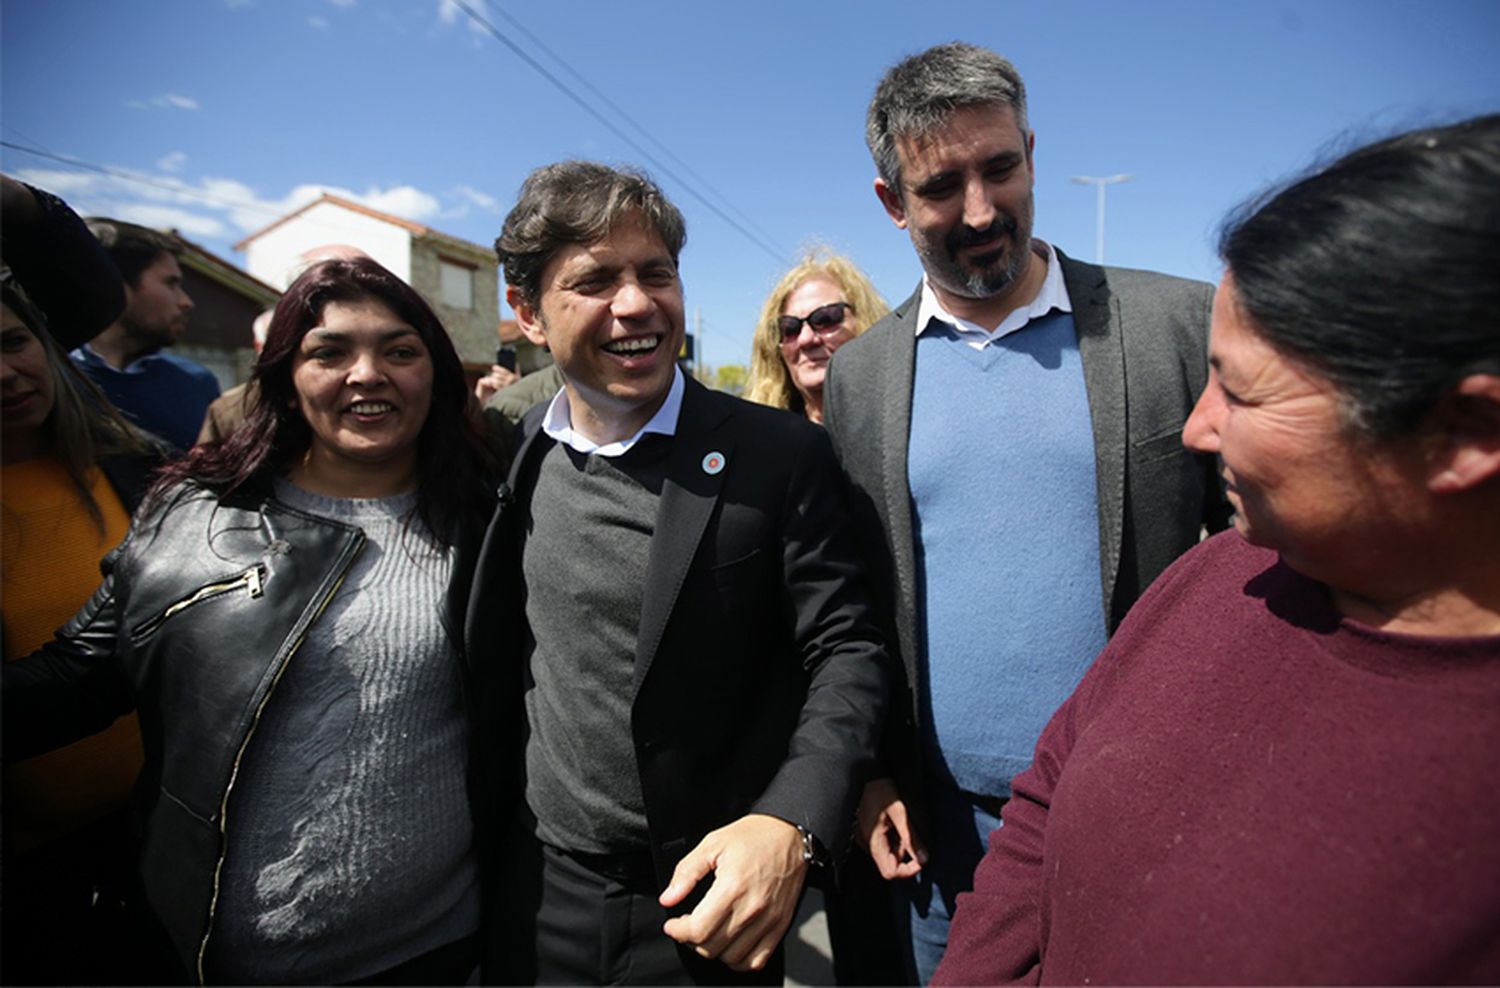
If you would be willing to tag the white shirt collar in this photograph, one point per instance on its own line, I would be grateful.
(1052, 295)
(558, 422)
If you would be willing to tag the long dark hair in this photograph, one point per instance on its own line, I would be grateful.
(452, 459)
(1381, 270)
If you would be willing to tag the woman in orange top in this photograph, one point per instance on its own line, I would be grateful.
(71, 472)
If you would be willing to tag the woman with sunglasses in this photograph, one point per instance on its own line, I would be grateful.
(286, 617)
(815, 308)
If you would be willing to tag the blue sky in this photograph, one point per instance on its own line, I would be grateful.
(227, 113)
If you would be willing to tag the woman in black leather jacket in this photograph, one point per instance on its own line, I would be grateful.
(285, 615)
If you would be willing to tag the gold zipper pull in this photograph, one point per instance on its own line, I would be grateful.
(252, 580)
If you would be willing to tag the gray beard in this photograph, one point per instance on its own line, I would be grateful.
(964, 282)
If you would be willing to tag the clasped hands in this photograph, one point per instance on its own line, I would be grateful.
(758, 874)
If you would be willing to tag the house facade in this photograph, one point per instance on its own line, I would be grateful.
(226, 301)
(459, 279)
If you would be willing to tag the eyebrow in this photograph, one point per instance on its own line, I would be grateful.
(587, 268)
(1005, 159)
(343, 336)
(591, 268)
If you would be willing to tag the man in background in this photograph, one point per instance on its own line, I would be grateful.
(158, 391)
(229, 409)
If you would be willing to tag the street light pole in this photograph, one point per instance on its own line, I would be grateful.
(1100, 182)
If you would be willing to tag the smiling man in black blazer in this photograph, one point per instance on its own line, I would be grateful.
(701, 678)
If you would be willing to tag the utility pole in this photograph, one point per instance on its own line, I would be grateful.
(699, 367)
(1100, 182)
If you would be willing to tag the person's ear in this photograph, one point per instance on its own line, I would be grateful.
(1467, 420)
(891, 199)
(528, 316)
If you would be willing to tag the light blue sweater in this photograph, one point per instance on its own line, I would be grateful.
(1005, 504)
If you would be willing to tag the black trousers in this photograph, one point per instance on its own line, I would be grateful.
(563, 921)
(862, 929)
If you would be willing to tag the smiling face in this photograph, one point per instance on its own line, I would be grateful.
(612, 315)
(364, 384)
(806, 354)
(1298, 481)
(966, 201)
(27, 391)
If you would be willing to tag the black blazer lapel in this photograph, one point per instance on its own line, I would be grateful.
(688, 498)
(496, 583)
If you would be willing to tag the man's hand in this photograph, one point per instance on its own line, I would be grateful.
(498, 377)
(758, 872)
(885, 831)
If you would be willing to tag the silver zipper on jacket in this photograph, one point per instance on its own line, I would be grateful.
(250, 580)
(234, 771)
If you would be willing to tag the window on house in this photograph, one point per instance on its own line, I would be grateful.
(456, 284)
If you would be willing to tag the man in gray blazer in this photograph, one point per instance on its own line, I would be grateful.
(1011, 433)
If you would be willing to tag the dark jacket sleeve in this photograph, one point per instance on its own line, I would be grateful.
(71, 687)
(842, 650)
(61, 265)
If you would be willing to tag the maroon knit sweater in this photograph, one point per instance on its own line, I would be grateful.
(1248, 788)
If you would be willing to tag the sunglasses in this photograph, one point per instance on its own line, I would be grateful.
(824, 319)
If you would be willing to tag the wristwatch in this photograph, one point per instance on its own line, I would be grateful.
(814, 855)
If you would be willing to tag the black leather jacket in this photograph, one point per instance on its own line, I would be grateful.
(202, 607)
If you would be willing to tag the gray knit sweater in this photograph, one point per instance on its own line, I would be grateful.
(592, 519)
(350, 844)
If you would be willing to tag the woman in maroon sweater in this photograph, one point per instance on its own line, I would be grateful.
(1281, 768)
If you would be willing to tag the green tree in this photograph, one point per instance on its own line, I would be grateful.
(731, 378)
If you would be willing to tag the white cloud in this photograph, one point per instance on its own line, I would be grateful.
(172, 162)
(450, 13)
(164, 101)
(481, 199)
(321, 23)
(220, 208)
(60, 183)
(170, 217)
(404, 200)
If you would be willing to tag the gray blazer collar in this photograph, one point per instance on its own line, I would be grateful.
(1096, 315)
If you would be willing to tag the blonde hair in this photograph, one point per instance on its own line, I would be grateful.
(770, 382)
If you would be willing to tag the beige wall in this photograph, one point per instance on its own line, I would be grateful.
(474, 331)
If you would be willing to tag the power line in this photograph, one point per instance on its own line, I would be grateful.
(181, 189)
(620, 111)
(610, 125)
(274, 212)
